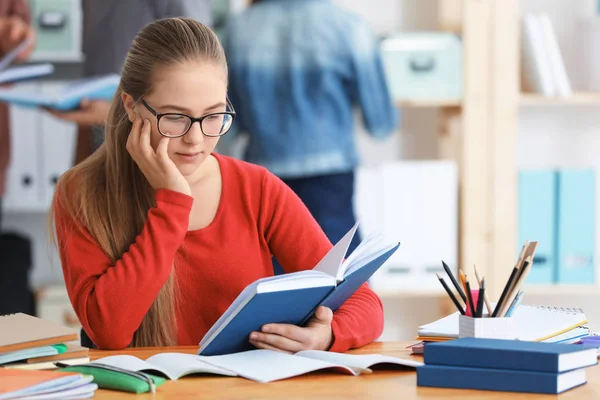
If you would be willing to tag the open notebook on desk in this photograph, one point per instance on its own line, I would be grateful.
(293, 298)
(533, 323)
(257, 365)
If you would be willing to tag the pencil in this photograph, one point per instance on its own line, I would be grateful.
(480, 299)
(454, 300)
(505, 291)
(454, 282)
(487, 301)
(470, 297)
(517, 286)
(514, 304)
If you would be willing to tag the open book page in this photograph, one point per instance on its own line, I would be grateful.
(180, 364)
(171, 365)
(12, 55)
(369, 249)
(332, 261)
(357, 361)
(268, 365)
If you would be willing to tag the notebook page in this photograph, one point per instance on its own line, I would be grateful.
(180, 364)
(331, 263)
(131, 363)
(357, 361)
(268, 365)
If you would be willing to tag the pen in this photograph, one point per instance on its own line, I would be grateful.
(454, 300)
(454, 282)
(480, 299)
(514, 304)
(505, 291)
(470, 297)
(485, 298)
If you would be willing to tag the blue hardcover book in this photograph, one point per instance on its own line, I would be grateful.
(576, 226)
(293, 298)
(499, 379)
(510, 354)
(537, 221)
(97, 88)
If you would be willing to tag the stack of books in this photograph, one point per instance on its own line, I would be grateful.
(505, 365)
(16, 384)
(28, 342)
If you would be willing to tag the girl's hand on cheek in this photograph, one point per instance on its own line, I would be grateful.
(157, 167)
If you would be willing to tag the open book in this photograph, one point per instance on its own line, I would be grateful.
(293, 298)
(257, 365)
(22, 72)
(96, 88)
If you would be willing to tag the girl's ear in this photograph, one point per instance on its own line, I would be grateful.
(129, 104)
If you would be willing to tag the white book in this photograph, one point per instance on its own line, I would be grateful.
(257, 365)
(556, 61)
(536, 62)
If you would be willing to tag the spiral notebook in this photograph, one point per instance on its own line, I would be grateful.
(533, 323)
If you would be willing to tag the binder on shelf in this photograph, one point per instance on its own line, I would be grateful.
(576, 226)
(537, 207)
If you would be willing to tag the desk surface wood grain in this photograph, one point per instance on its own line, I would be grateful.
(381, 384)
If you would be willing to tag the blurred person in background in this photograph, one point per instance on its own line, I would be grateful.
(14, 29)
(297, 69)
(109, 27)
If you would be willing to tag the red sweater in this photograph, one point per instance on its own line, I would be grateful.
(258, 217)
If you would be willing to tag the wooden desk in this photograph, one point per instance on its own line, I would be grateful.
(326, 385)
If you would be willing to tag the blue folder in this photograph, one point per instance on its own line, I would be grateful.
(537, 220)
(290, 299)
(576, 226)
(96, 88)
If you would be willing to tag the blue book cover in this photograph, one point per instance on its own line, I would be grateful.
(293, 298)
(510, 354)
(537, 221)
(499, 379)
(576, 226)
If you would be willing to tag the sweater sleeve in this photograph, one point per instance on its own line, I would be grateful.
(298, 243)
(111, 299)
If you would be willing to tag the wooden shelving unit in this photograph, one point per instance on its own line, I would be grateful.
(535, 99)
(430, 103)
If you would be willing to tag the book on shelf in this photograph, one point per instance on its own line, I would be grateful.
(93, 88)
(293, 298)
(544, 69)
(257, 365)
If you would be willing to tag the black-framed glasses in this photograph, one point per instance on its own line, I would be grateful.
(176, 124)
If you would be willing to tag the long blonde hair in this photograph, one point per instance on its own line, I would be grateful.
(107, 194)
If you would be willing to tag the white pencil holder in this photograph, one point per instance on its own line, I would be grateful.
(488, 328)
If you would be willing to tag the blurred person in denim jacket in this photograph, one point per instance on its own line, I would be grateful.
(297, 70)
